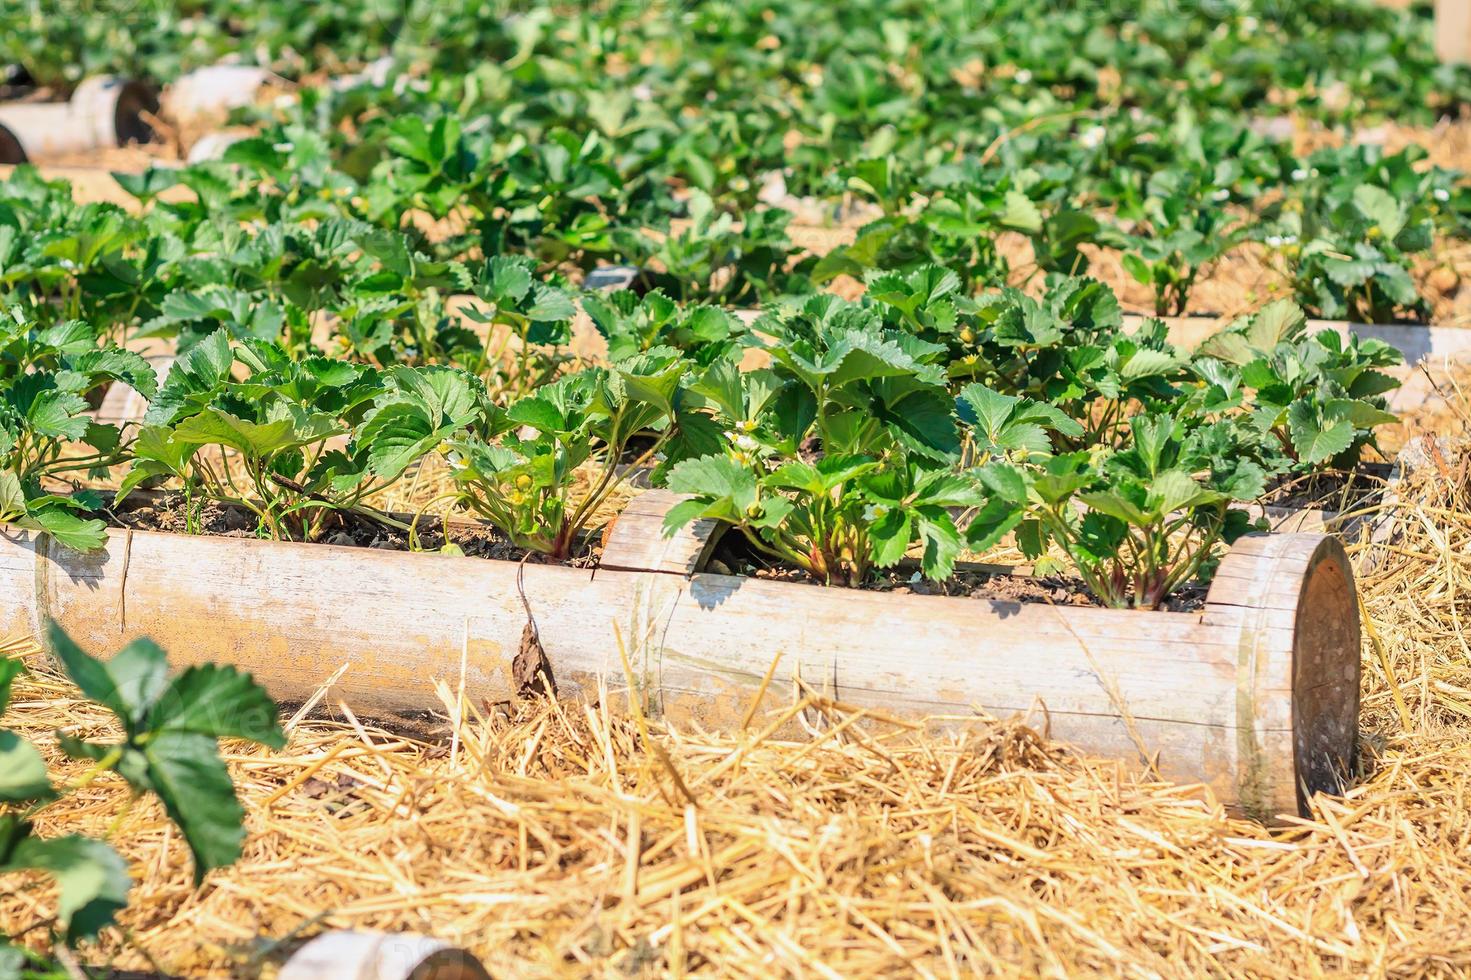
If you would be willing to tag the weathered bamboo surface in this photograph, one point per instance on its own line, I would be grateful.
(1162, 689)
(635, 541)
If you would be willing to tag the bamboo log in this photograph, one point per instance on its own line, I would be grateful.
(208, 95)
(11, 152)
(1290, 597)
(103, 112)
(635, 540)
(348, 955)
(1224, 697)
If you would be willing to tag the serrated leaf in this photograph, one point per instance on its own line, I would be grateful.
(1362, 414)
(22, 769)
(1020, 213)
(550, 305)
(76, 533)
(1277, 322)
(993, 522)
(91, 876)
(1314, 441)
(256, 439)
(889, 537)
(1147, 363)
(1115, 505)
(990, 408)
(1176, 489)
(539, 413)
(922, 419)
(728, 487)
(185, 771)
(58, 414)
(395, 436)
(220, 701)
(681, 514)
(127, 685)
(941, 541)
(12, 497)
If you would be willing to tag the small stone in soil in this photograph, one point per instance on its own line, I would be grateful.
(235, 520)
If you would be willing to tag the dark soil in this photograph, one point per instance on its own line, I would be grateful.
(167, 512)
(735, 556)
(1330, 490)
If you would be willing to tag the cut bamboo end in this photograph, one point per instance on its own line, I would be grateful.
(103, 112)
(11, 152)
(636, 541)
(346, 955)
(1294, 598)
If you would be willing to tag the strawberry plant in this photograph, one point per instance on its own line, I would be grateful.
(553, 198)
(854, 384)
(1068, 348)
(1185, 228)
(632, 324)
(1347, 233)
(835, 518)
(520, 469)
(47, 376)
(715, 261)
(70, 264)
(295, 441)
(838, 458)
(947, 234)
(965, 207)
(840, 515)
(529, 321)
(1152, 513)
(170, 730)
(1321, 396)
(1011, 428)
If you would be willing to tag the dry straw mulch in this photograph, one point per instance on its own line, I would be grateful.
(583, 840)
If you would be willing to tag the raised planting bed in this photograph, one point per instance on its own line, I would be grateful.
(1254, 694)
